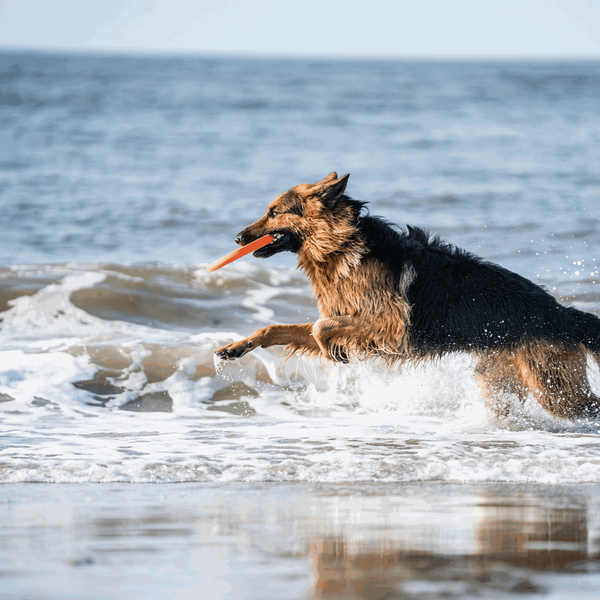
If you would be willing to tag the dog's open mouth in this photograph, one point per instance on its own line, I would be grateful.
(283, 241)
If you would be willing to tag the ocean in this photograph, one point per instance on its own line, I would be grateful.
(122, 177)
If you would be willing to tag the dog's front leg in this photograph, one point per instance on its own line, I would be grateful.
(334, 335)
(341, 338)
(294, 337)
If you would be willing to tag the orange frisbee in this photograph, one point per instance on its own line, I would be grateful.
(251, 247)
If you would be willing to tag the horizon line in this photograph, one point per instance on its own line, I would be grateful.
(184, 52)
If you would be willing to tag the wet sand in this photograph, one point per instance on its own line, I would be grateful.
(281, 540)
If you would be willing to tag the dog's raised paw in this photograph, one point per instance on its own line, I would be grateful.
(232, 351)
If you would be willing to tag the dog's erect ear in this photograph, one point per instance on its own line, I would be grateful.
(333, 190)
(331, 177)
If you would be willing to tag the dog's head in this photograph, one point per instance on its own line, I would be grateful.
(295, 216)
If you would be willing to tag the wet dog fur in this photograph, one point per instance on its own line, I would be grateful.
(404, 295)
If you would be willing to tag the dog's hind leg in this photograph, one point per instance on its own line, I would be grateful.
(296, 338)
(498, 376)
(557, 377)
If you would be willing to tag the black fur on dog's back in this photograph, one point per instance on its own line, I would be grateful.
(460, 302)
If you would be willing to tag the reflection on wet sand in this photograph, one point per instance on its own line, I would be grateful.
(508, 547)
(283, 541)
(512, 546)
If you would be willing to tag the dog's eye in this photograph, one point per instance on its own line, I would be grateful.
(273, 213)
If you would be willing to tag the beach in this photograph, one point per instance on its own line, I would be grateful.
(133, 461)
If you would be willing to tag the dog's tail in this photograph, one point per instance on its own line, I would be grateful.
(587, 331)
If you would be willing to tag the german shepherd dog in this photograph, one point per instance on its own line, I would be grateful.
(404, 295)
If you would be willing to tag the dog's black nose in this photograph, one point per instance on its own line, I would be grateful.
(239, 239)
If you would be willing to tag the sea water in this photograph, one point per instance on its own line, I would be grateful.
(122, 177)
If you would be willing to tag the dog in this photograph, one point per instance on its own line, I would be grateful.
(405, 295)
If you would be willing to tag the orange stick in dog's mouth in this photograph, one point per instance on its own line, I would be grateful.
(251, 247)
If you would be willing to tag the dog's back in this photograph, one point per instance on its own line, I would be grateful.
(463, 303)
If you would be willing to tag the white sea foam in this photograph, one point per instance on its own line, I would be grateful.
(73, 385)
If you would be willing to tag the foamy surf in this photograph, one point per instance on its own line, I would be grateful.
(129, 393)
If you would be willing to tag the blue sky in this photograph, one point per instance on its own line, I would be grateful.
(326, 27)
